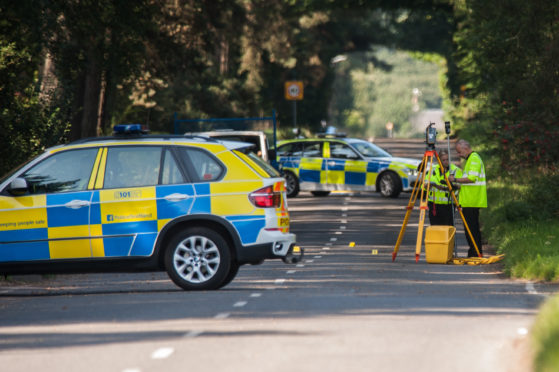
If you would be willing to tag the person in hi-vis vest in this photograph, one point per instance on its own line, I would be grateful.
(473, 192)
(439, 198)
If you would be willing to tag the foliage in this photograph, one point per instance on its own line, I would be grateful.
(380, 85)
(545, 336)
(506, 53)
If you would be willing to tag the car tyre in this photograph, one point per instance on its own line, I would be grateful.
(389, 185)
(291, 184)
(320, 193)
(198, 258)
(233, 270)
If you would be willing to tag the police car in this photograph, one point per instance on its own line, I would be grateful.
(322, 165)
(195, 207)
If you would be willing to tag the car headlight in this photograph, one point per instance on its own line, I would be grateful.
(410, 172)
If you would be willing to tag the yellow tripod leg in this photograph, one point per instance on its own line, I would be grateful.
(409, 208)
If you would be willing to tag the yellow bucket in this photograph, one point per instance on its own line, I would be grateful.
(439, 244)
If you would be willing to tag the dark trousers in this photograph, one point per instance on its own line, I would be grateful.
(471, 215)
(440, 214)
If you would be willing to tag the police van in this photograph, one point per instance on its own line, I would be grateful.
(195, 207)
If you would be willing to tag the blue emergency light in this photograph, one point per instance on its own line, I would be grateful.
(122, 129)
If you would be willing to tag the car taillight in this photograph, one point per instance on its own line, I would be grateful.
(265, 197)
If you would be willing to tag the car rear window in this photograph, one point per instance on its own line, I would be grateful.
(259, 165)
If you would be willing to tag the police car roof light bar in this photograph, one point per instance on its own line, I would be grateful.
(126, 129)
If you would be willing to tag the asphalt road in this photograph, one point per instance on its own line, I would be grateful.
(346, 307)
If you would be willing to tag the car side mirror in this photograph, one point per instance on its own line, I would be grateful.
(18, 187)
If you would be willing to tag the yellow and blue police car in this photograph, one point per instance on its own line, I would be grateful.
(195, 207)
(322, 165)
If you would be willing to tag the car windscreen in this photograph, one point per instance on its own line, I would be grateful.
(369, 150)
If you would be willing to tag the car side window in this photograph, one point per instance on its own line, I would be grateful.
(62, 172)
(201, 165)
(312, 150)
(291, 149)
(132, 166)
(340, 150)
(171, 173)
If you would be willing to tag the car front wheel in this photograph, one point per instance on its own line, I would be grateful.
(291, 184)
(198, 258)
(389, 185)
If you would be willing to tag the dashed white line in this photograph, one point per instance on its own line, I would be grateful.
(317, 257)
(162, 353)
(300, 265)
(239, 304)
(279, 281)
(342, 227)
(222, 316)
(522, 331)
(256, 294)
(531, 289)
(193, 334)
(291, 271)
(333, 239)
(338, 233)
(344, 214)
(309, 261)
(343, 221)
(326, 248)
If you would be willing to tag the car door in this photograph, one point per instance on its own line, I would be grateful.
(124, 208)
(311, 168)
(50, 220)
(345, 169)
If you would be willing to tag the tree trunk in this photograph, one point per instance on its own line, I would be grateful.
(92, 89)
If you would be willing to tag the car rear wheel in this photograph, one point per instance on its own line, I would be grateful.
(291, 184)
(320, 193)
(198, 258)
(389, 185)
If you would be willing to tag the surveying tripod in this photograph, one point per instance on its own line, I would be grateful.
(427, 160)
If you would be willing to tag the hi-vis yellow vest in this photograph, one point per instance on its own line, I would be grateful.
(440, 196)
(474, 195)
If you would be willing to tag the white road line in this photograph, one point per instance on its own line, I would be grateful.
(300, 265)
(239, 304)
(531, 289)
(326, 248)
(329, 244)
(317, 257)
(222, 316)
(162, 353)
(256, 294)
(338, 233)
(193, 334)
(309, 261)
(279, 281)
(291, 271)
(344, 214)
(333, 239)
(343, 221)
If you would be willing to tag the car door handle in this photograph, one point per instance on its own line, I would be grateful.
(77, 204)
(176, 197)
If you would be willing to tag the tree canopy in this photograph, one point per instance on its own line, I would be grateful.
(70, 69)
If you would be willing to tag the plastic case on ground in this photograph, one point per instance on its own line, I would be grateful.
(439, 244)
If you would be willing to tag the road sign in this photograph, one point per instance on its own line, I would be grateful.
(294, 90)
